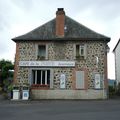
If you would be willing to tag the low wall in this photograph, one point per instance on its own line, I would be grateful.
(68, 94)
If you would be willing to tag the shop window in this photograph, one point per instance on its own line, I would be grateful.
(41, 77)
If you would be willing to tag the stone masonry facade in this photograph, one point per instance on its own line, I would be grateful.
(63, 51)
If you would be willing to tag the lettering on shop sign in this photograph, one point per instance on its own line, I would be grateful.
(48, 63)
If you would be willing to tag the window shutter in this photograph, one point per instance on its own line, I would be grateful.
(46, 51)
(85, 51)
(36, 52)
(74, 52)
(80, 83)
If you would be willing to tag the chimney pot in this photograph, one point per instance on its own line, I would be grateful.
(60, 9)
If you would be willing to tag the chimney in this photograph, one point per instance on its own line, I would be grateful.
(60, 21)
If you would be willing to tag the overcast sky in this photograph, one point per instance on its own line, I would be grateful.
(18, 17)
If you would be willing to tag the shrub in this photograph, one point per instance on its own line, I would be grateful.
(111, 91)
(0, 89)
(118, 90)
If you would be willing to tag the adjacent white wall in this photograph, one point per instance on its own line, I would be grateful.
(117, 63)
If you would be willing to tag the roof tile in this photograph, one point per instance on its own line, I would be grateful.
(73, 31)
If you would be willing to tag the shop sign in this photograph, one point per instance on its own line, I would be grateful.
(48, 63)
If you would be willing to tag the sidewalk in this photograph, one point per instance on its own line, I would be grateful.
(115, 97)
(4, 101)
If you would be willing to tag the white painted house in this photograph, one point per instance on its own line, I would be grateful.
(117, 61)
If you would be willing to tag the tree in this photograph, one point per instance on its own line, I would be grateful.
(6, 66)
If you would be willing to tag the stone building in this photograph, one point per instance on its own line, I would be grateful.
(62, 59)
(116, 51)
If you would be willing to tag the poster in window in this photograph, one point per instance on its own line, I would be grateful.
(97, 81)
(62, 81)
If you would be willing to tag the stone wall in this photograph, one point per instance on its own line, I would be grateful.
(68, 94)
(69, 75)
(95, 50)
(60, 51)
(64, 51)
(27, 51)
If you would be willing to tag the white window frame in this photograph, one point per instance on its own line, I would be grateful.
(41, 78)
(51, 76)
(81, 46)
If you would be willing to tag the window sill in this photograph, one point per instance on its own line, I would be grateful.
(40, 88)
(41, 57)
(37, 86)
(80, 57)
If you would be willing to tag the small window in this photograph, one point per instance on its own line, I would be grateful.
(80, 51)
(41, 52)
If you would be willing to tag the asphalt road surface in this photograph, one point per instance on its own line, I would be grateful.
(60, 110)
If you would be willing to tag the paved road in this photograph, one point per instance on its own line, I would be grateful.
(60, 110)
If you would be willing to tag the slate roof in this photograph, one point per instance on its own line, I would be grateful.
(74, 31)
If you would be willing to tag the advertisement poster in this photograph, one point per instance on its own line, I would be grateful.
(62, 81)
(97, 81)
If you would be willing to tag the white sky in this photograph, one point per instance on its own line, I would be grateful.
(18, 17)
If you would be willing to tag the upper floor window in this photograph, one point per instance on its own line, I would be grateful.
(81, 51)
(42, 52)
